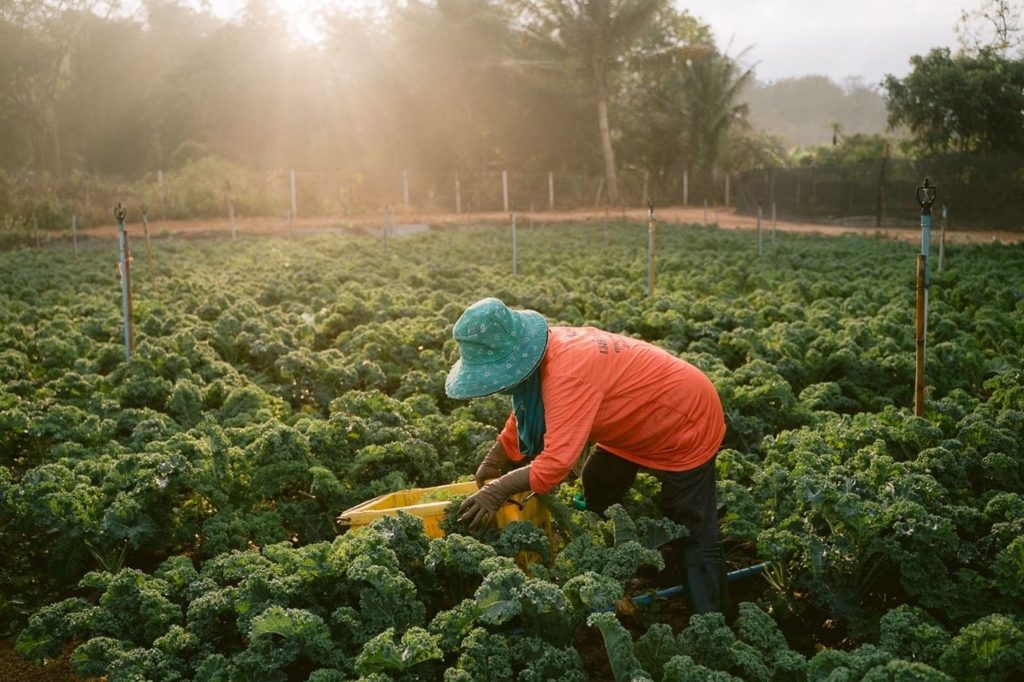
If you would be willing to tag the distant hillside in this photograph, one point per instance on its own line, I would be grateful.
(802, 110)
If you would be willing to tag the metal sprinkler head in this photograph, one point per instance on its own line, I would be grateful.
(926, 196)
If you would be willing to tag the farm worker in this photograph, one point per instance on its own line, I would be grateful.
(644, 408)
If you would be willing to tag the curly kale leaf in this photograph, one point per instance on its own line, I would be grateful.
(991, 648)
(586, 553)
(280, 461)
(280, 638)
(453, 625)
(709, 642)
(619, 645)
(650, 533)
(94, 658)
(545, 612)
(542, 660)
(134, 608)
(53, 626)
(847, 665)
(180, 574)
(655, 648)
(685, 669)
(523, 536)
(590, 592)
(909, 633)
(759, 630)
(484, 656)
(616, 548)
(147, 665)
(384, 654)
(231, 568)
(498, 598)
(905, 671)
(212, 618)
(457, 564)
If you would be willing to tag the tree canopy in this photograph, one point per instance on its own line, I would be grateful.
(960, 102)
(442, 86)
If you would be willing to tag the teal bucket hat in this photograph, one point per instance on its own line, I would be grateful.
(499, 347)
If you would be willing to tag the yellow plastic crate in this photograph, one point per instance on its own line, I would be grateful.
(409, 501)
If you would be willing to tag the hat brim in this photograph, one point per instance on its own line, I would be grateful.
(475, 381)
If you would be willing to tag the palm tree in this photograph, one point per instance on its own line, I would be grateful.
(590, 36)
(711, 87)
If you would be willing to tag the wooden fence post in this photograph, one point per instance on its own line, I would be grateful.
(652, 227)
(291, 182)
(515, 254)
(504, 189)
(124, 269)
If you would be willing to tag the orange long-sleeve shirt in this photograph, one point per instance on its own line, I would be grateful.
(634, 399)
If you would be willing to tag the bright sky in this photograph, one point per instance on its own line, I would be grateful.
(836, 38)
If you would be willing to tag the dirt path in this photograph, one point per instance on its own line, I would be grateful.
(726, 219)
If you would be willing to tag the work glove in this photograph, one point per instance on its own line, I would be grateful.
(480, 508)
(493, 465)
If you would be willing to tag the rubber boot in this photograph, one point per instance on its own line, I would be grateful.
(704, 568)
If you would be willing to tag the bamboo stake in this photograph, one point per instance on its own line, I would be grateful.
(458, 195)
(149, 248)
(774, 221)
(291, 183)
(652, 226)
(504, 190)
(514, 252)
(760, 232)
(126, 288)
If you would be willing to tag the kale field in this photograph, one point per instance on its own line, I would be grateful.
(172, 517)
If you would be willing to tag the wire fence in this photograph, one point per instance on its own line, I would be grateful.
(341, 194)
(979, 191)
(214, 189)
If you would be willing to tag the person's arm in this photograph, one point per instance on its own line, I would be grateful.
(493, 465)
(570, 406)
(509, 438)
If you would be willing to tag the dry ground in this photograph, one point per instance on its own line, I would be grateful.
(726, 219)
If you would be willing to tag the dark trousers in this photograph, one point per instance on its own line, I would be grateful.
(687, 497)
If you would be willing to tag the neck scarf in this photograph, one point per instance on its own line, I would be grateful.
(528, 405)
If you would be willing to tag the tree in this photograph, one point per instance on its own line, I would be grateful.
(647, 99)
(42, 38)
(960, 103)
(996, 25)
(591, 36)
(690, 105)
(712, 83)
(849, 150)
